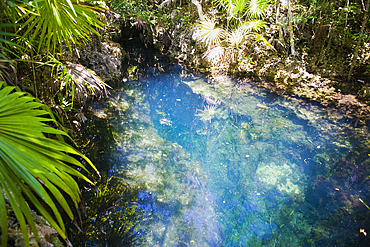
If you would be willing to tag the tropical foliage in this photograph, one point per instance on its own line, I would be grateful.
(37, 168)
(47, 24)
(321, 29)
(150, 12)
(56, 22)
(229, 43)
(77, 81)
(34, 166)
(37, 30)
(338, 28)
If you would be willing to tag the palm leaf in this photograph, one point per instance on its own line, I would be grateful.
(8, 72)
(208, 33)
(86, 81)
(214, 54)
(265, 42)
(235, 38)
(6, 43)
(228, 5)
(62, 22)
(11, 13)
(257, 8)
(255, 25)
(239, 7)
(32, 165)
(76, 80)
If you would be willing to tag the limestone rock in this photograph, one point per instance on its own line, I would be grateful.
(106, 61)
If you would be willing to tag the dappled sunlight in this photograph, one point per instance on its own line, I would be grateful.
(224, 164)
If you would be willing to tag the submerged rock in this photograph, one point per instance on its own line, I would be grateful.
(282, 177)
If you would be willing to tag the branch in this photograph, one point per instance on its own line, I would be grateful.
(354, 59)
(199, 7)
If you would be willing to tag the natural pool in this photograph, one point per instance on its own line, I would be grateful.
(218, 163)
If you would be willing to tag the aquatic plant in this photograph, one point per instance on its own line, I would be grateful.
(245, 182)
(285, 178)
(110, 216)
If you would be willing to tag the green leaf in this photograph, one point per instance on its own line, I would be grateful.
(3, 218)
(32, 165)
(61, 22)
(10, 3)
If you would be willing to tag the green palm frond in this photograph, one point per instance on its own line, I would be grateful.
(208, 33)
(235, 38)
(263, 39)
(62, 22)
(239, 7)
(252, 26)
(228, 5)
(7, 42)
(11, 13)
(80, 82)
(33, 166)
(257, 8)
(85, 81)
(8, 72)
(76, 80)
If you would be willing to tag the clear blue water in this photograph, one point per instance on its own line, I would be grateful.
(223, 164)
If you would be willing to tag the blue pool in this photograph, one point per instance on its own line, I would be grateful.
(221, 163)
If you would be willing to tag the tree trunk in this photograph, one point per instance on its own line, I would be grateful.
(347, 6)
(323, 49)
(278, 25)
(199, 7)
(290, 27)
(355, 54)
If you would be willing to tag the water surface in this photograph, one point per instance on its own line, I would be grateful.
(223, 164)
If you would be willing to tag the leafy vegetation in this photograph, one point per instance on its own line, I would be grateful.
(33, 165)
(38, 169)
(227, 45)
(36, 30)
(328, 37)
(335, 28)
(58, 22)
(149, 12)
(111, 217)
(156, 19)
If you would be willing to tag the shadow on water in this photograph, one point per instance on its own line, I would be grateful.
(222, 164)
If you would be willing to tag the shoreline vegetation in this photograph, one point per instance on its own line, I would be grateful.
(60, 56)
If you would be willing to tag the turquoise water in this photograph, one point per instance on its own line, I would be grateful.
(224, 164)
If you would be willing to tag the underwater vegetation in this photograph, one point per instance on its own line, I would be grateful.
(110, 217)
(167, 178)
(208, 113)
(225, 164)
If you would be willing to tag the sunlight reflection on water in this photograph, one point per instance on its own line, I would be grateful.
(223, 164)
